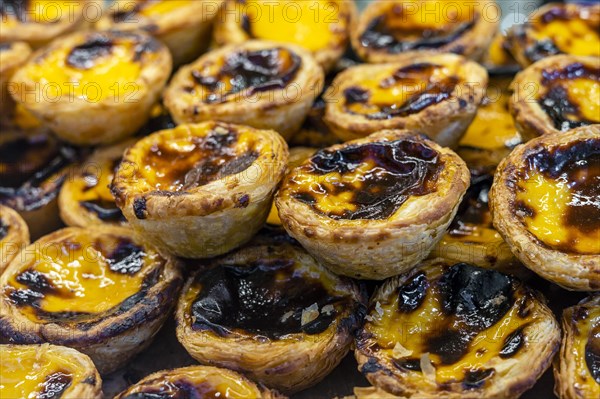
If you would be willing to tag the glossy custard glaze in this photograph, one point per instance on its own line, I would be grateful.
(194, 383)
(557, 196)
(570, 97)
(35, 371)
(410, 27)
(310, 24)
(269, 297)
(403, 92)
(192, 161)
(97, 66)
(454, 310)
(32, 170)
(366, 181)
(570, 29)
(82, 276)
(247, 73)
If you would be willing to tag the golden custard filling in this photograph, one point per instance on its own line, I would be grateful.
(37, 372)
(91, 189)
(418, 25)
(569, 96)
(15, 12)
(196, 382)
(126, 11)
(312, 24)
(493, 127)
(449, 323)
(98, 66)
(557, 196)
(401, 92)
(81, 276)
(273, 295)
(585, 320)
(191, 156)
(571, 29)
(243, 73)
(366, 181)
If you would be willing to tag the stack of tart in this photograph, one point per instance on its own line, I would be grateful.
(239, 177)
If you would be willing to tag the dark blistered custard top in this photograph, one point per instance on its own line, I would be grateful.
(562, 29)
(245, 72)
(400, 92)
(92, 190)
(193, 161)
(366, 181)
(4, 229)
(592, 352)
(403, 28)
(570, 96)
(452, 309)
(271, 296)
(557, 196)
(32, 170)
(82, 275)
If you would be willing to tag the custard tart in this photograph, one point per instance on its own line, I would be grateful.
(200, 190)
(261, 84)
(101, 291)
(453, 330)
(544, 203)
(47, 371)
(33, 167)
(85, 198)
(12, 56)
(322, 27)
(471, 237)
(80, 81)
(435, 94)
(14, 235)
(374, 207)
(398, 30)
(577, 367)
(270, 311)
(556, 94)
(184, 26)
(492, 135)
(197, 382)
(38, 22)
(557, 29)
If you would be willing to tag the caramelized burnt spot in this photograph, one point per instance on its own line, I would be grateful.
(30, 169)
(570, 175)
(406, 91)
(473, 211)
(14, 9)
(4, 229)
(473, 300)
(592, 353)
(204, 160)
(85, 55)
(387, 33)
(267, 297)
(98, 198)
(55, 385)
(106, 211)
(77, 279)
(566, 93)
(367, 181)
(250, 72)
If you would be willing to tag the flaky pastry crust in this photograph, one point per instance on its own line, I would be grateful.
(440, 100)
(390, 242)
(111, 337)
(424, 26)
(428, 334)
(279, 103)
(14, 235)
(517, 199)
(213, 203)
(540, 106)
(85, 79)
(288, 351)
